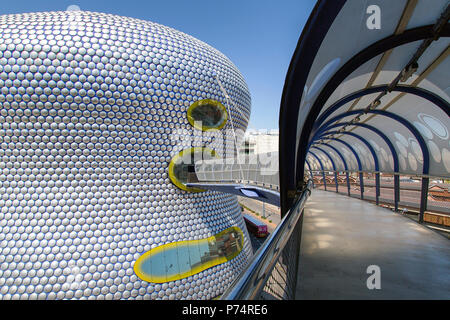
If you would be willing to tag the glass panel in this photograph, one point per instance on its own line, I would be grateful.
(184, 261)
(207, 114)
(158, 265)
(175, 261)
(194, 255)
(182, 167)
(171, 261)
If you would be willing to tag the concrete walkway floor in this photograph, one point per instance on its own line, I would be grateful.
(343, 236)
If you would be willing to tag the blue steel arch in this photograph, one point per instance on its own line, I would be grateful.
(391, 148)
(343, 160)
(321, 166)
(328, 156)
(318, 159)
(404, 122)
(310, 171)
(292, 158)
(332, 163)
(374, 156)
(379, 133)
(369, 146)
(338, 153)
(358, 160)
(351, 149)
(323, 14)
(423, 93)
(385, 44)
(307, 163)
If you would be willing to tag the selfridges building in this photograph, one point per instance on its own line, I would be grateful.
(96, 112)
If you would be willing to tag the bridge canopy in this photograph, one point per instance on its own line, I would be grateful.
(367, 90)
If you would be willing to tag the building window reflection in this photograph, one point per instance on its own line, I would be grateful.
(182, 167)
(177, 260)
(207, 114)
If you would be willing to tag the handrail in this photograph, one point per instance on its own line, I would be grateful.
(250, 283)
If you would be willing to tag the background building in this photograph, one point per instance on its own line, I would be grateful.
(260, 141)
(92, 200)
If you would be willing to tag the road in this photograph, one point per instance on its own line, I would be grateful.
(271, 212)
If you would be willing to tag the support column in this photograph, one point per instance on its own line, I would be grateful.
(396, 191)
(336, 181)
(377, 188)
(361, 184)
(348, 183)
(423, 198)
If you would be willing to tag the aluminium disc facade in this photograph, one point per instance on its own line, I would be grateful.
(89, 103)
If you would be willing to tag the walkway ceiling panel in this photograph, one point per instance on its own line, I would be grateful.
(326, 162)
(385, 159)
(342, 120)
(363, 151)
(437, 81)
(338, 47)
(313, 162)
(407, 147)
(355, 81)
(347, 154)
(337, 160)
(434, 126)
(400, 56)
(363, 102)
(424, 13)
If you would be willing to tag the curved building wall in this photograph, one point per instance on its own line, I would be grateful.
(89, 104)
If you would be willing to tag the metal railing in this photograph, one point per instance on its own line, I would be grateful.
(405, 196)
(247, 169)
(409, 189)
(272, 273)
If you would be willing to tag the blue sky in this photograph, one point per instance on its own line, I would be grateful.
(259, 36)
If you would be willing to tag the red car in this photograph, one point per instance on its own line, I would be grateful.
(255, 226)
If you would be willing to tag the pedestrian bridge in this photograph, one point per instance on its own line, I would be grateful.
(343, 236)
(367, 117)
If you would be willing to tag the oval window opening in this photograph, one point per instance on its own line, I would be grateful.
(207, 114)
(182, 166)
(178, 260)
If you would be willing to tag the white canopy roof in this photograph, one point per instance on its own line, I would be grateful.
(349, 100)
